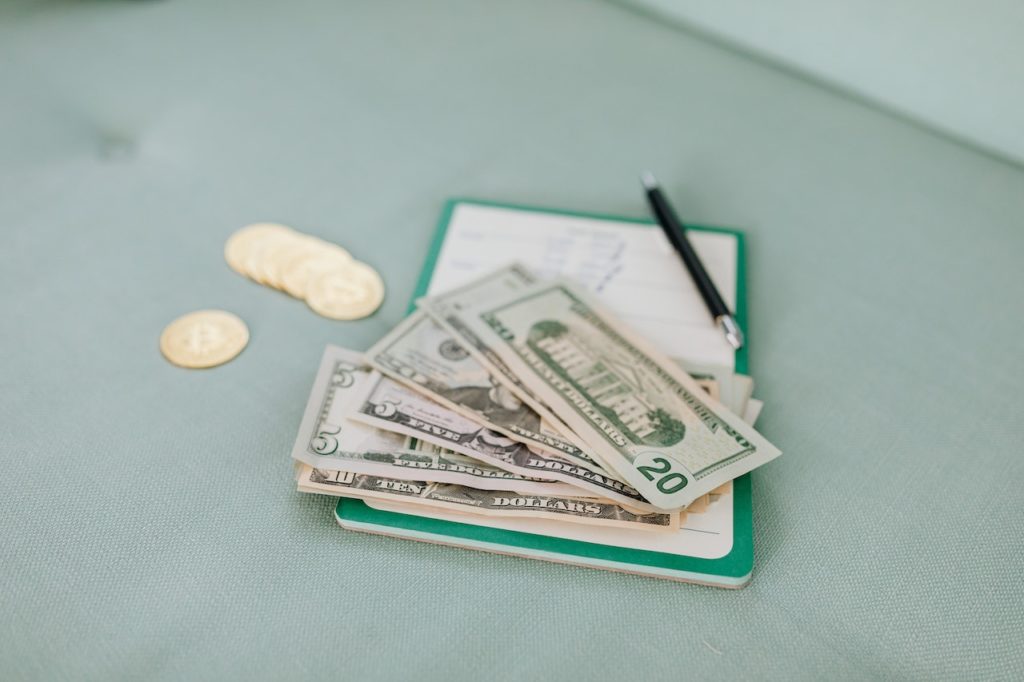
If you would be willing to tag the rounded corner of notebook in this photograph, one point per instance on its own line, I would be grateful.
(339, 512)
(736, 583)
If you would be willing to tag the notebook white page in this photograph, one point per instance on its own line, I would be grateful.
(635, 272)
(632, 268)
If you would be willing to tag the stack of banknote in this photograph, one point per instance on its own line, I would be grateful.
(516, 397)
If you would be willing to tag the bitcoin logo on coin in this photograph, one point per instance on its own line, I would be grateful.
(205, 338)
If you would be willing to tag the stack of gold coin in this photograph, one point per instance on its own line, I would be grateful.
(324, 275)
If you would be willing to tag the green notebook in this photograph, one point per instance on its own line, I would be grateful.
(622, 260)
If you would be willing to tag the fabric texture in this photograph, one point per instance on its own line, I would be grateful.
(150, 523)
(953, 66)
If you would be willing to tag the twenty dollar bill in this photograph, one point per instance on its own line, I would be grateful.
(640, 413)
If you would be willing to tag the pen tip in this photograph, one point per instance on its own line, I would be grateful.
(648, 180)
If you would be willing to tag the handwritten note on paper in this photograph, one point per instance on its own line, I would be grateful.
(632, 268)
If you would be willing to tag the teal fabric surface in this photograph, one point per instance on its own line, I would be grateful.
(150, 525)
(953, 66)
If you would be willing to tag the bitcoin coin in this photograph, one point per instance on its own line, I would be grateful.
(302, 247)
(262, 249)
(297, 272)
(349, 292)
(241, 242)
(205, 338)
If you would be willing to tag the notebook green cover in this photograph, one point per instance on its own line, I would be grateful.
(731, 570)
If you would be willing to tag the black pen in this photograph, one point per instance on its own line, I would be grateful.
(676, 233)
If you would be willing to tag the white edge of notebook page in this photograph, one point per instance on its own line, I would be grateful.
(635, 272)
(631, 268)
(705, 536)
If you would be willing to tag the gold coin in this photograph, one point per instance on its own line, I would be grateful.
(302, 245)
(239, 244)
(205, 338)
(300, 268)
(263, 248)
(349, 292)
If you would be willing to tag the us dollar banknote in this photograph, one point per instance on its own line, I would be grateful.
(448, 310)
(387, 405)
(731, 389)
(425, 356)
(643, 415)
(328, 441)
(484, 502)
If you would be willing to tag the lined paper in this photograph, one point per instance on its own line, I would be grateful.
(632, 268)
